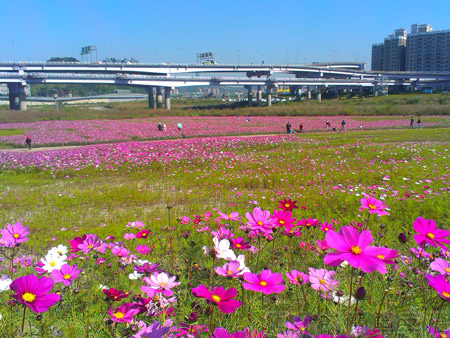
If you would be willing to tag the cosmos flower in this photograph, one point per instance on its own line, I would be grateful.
(65, 275)
(220, 332)
(239, 243)
(53, 262)
(428, 234)
(153, 330)
(440, 265)
(322, 280)
(265, 282)
(222, 249)
(287, 205)
(440, 285)
(159, 283)
(232, 216)
(298, 324)
(15, 234)
(123, 314)
(283, 219)
(34, 293)
(373, 205)
(260, 220)
(219, 296)
(115, 294)
(297, 278)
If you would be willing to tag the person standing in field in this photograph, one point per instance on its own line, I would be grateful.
(418, 123)
(288, 127)
(343, 124)
(411, 123)
(28, 142)
(327, 124)
(301, 127)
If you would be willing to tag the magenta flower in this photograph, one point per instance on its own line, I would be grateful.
(65, 275)
(298, 324)
(115, 294)
(190, 330)
(89, 243)
(123, 314)
(142, 249)
(232, 269)
(221, 297)
(373, 205)
(232, 216)
(309, 222)
(428, 234)
(260, 220)
(440, 284)
(220, 332)
(353, 248)
(15, 234)
(222, 233)
(436, 334)
(297, 278)
(33, 292)
(326, 227)
(239, 243)
(287, 204)
(120, 251)
(322, 280)
(143, 234)
(441, 266)
(283, 219)
(154, 330)
(265, 282)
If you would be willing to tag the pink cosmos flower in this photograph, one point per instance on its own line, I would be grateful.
(129, 236)
(15, 234)
(221, 297)
(222, 233)
(143, 234)
(142, 249)
(265, 282)
(428, 234)
(185, 220)
(322, 245)
(89, 243)
(373, 205)
(297, 278)
(322, 280)
(283, 219)
(387, 255)
(65, 275)
(232, 216)
(123, 314)
(442, 266)
(190, 330)
(115, 294)
(159, 283)
(135, 224)
(154, 330)
(233, 269)
(298, 324)
(326, 226)
(239, 243)
(120, 251)
(436, 334)
(440, 284)
(220, 332)
(353, 248)
(308, 223)
(287, 204)
(33, 292)
(260, 220)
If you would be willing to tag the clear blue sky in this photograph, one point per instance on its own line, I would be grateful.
(245, 31)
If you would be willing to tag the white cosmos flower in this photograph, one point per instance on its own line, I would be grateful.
(135, 275)
(61, 250)
(4, 283)
(222, 249)
(53, 261)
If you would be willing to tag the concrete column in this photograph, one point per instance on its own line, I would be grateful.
(360, 93)
(375, 92)
(159, 98)
(297, 94)
(167, 97)
(151, 97)
(336, 93)
(269, 96)
(319, 96)
(17, 97)
(259, 96)
(249, 96)
(308, 93)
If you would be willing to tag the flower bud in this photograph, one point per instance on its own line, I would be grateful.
(360, 293)
(402, 237)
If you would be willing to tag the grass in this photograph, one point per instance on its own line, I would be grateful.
(326, 173)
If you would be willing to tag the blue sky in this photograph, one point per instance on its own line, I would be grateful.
(244, 31)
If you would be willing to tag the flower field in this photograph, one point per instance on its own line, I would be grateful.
(51, 133)
(323, 235)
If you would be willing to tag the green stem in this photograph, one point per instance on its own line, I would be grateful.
(23, 321)
(349, 298)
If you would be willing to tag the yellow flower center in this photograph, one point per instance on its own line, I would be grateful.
(287, 205)
(229, 272)
(446, 294)
(371, 206)
(238, 245)
(215, 298)
(28, 297)
(326, 229)
(355, 250)
(90, 246)
(52, 263)
(430, 235)
(118, 315)
(230, 216)
(443, 335)
(281, 222)
(16, 235)
(406, 260)
(67, 276)
(322, 281)
(380, 256)
(301, 328)
(163, 284)
(447, 269)
(260, 223)
(263, 283)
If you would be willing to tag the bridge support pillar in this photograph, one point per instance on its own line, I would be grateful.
(167, 97)
(318, 95)
(336, 93)
(308, 94)
(151, 97)
(298, 98)
(249, 96)
(259, 96)
(269, 96)
(17, 97)
(159, 98)
(375, 92)
(360, 92)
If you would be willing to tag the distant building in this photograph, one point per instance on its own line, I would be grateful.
(427, 50)
(390, 55)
